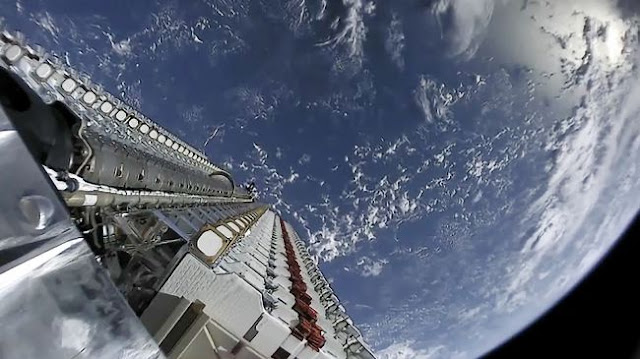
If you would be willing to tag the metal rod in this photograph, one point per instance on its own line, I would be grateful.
(106, 199)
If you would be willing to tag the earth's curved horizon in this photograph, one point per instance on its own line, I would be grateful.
(456, 166)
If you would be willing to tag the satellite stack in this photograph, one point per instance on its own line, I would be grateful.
(119, 239)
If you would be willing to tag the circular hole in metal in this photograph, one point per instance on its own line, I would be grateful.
(37, 210)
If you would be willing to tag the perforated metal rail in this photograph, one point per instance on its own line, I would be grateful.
(122, 147)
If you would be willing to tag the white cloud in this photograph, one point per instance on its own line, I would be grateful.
(391, 150)
(328, 243)
(262, 154)
(271, 183)
(374, 202)
(305, 158)
(122, 47)
(292, 177)
(406, 350)
(407, 205)
(394, 41)
(435, 100)
(214, 133)
(193, 114)
(323, 8)
(131, 93)
(44, 20)
(351, 28)
(371, 267)
(470, 21)
(195, 37)
(363, 306)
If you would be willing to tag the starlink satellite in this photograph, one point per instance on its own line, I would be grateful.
(119, 240)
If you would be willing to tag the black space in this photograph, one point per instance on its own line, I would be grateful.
(599, 319)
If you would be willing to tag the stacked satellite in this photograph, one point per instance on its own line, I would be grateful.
(119, 238)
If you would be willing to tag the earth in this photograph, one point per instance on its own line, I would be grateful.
(456, 166)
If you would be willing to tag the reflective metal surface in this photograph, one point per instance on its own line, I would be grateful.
(57, 301)
(32, 218)
(61, 304)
